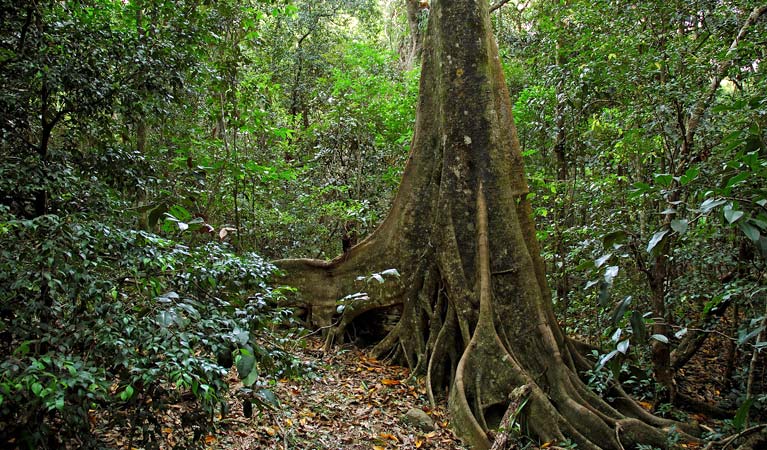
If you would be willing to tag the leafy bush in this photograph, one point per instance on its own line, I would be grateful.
(100, 321)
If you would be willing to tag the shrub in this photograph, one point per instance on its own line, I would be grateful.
(100, 321)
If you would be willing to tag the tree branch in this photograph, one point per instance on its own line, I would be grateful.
(703, 103)
(498, 4)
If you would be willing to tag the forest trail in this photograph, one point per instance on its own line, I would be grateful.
(350, 401)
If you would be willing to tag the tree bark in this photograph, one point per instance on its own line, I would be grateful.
(476, 317)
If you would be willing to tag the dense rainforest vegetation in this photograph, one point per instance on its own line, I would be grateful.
(157, 155)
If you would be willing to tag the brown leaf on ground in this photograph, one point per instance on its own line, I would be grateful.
(353, 402)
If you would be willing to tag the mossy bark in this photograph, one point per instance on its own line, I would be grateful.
(476, 314)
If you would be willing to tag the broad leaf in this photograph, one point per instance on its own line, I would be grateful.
(664, 179)
(241, 336)
(711, 203)
(127, 393)
(750, 231)
(605, 358)
(656, 239)
(251, 378)
(245, 362)
(637, 326)
(739, 421)
(610, 273)
(623, 346)
(267, 396)
(745, 337)
(603, 259)
(604, 293)
(391, 272)
(660, 338)
(620, 310)
(614, 237)
(737, 179)
(690, 175)
(732, 215)
(679, 225)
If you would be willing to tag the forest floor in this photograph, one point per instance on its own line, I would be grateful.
(352, 401)
(349, 401)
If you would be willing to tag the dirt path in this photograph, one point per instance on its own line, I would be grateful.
(353, 402)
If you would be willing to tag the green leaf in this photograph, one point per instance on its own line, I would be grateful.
(739, 421)
(601, 260)
(251, 378)
(732, 215)
(390, 272)
(610, 273)
(179, 213)
(127, 393)
(241, 336)
(639, 189)
(604, 293)
(679, 225)
(268, 397)
(166, 318)
(745, 337)
(614, 237)
(36, 388)
(690, 175)
(763, 246)
(656, 239)
(623, 346)
(750, 231)
(637, 326)
(664, 179)
(711, 203)
(620, 310)
(737, 179)
(605, 358)
(712, 305)
(245, 363)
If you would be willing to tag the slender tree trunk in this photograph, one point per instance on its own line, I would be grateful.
(476, 318)
(415, 10)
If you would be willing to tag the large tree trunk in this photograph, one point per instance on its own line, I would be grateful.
(476, 316)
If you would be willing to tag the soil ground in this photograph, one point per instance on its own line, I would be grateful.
(350, 402)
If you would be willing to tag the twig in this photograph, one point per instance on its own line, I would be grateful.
(282, 431)
(498, 5)
(726, 442)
